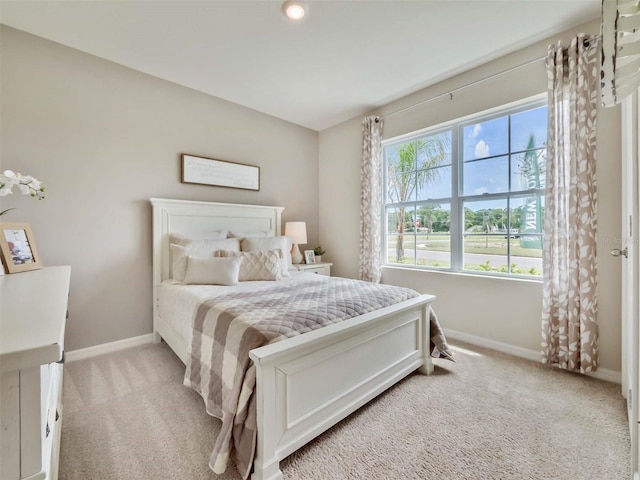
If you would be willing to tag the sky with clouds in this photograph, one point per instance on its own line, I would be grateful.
(485, 149)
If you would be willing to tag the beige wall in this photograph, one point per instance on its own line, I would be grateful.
(104, 139)
(500, 310)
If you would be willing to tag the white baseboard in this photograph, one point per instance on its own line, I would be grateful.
(601, 373)
(89, 352)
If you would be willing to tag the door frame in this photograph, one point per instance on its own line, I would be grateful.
(630, 302)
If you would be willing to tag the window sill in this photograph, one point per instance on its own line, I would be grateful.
(510, 278)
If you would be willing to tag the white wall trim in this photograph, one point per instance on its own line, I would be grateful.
(601, 373)
(81, 354)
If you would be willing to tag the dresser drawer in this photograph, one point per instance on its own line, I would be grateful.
(51, 420)
(317, 268)
(323, 270)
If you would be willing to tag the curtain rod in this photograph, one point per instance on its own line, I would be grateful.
(586, 42)
(457, 89)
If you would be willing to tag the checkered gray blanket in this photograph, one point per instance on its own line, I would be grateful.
(228, 326)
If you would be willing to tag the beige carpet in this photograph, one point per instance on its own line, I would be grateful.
(488, 416)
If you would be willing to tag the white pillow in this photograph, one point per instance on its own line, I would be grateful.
(212, 271)
(270, 243)
(179, 239)
(206, 248)
(199, 249)
(239, 234)
(257, 265)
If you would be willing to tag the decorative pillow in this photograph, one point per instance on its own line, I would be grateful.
(212, 271)
(213, 235)
(270, 243)
(257, 265)
(198, 249)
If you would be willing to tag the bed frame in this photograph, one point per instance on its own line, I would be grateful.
(308, 383)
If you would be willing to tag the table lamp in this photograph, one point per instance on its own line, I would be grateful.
(297, 232)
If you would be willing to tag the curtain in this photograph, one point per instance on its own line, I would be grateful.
(569, 327)
(370, 199)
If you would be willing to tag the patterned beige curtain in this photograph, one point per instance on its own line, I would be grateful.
(370, 199)
(569, 328)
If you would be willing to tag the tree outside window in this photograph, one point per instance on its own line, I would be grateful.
(490, 220)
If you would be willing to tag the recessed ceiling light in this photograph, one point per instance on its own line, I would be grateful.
(294, 10)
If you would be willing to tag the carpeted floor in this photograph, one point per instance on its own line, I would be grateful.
(489, 416)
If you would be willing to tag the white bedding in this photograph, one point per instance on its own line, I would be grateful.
(177, 302)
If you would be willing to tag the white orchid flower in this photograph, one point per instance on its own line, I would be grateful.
(24, 188)
(25, 183)
(8, 179)
(36, 184)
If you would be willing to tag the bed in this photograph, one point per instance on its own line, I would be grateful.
(298, 393)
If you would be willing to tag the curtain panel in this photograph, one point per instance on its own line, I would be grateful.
(371, 199)
(569, 327)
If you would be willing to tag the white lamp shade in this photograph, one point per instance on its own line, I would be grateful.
(296, 231)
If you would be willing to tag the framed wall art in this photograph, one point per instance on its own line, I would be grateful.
(219, 173)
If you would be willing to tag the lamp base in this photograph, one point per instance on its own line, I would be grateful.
(296, 256)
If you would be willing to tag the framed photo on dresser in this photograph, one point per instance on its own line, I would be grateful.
(18, 248)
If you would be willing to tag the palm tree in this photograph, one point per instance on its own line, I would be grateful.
(411, 168)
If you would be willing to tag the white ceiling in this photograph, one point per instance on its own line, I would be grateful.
(344, 59)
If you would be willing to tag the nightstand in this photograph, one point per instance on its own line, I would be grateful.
(323, 268)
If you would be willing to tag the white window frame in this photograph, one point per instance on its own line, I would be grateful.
(456, 200)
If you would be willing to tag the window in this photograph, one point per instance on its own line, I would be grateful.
(469, 196)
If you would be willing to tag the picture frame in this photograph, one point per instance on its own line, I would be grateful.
(309, 257)
(219, 173)
(18, 248)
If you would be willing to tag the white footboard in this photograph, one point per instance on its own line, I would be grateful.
(308, 383)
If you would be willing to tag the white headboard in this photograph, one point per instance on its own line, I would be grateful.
(191, 218)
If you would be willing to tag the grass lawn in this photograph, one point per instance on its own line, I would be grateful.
(483, 244)
(473, 244)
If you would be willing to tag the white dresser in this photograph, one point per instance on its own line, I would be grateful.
(33, 313)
